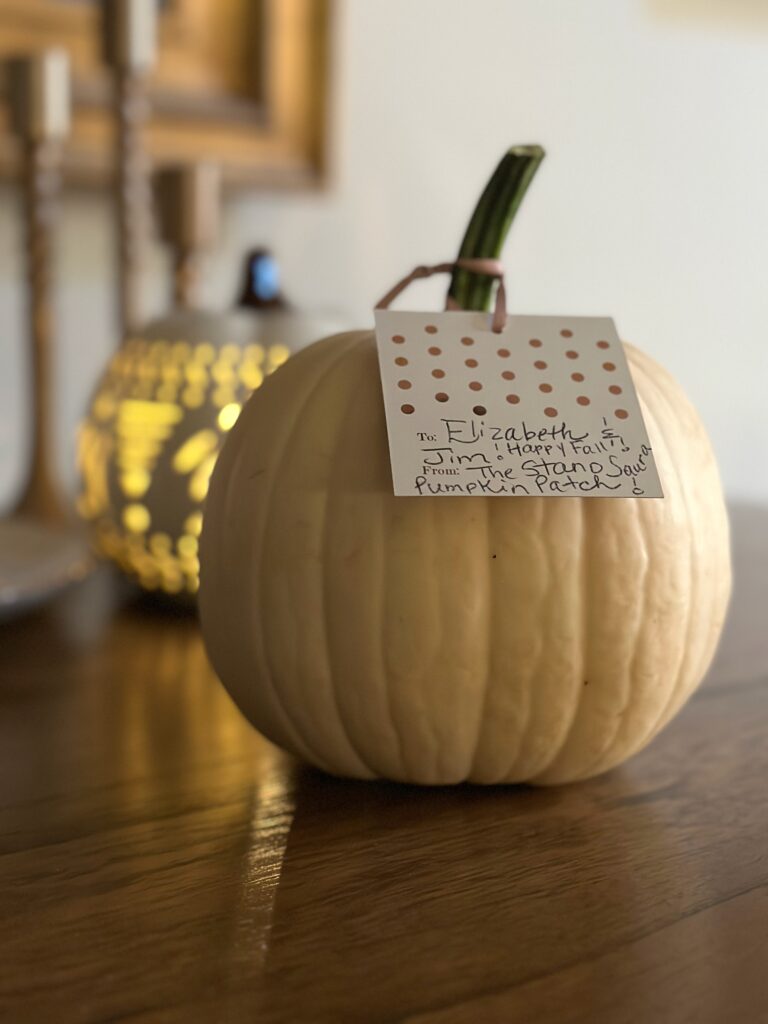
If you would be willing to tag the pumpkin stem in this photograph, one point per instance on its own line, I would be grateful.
(491, 221)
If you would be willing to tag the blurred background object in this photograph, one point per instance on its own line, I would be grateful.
(180, 79)
(129, 30)
(651, 208)
(39, 108)
(243, 80)
(39, 553)
(188, 206)
(176, 386)
(747, 13)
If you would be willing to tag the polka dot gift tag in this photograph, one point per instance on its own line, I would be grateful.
(545, 407)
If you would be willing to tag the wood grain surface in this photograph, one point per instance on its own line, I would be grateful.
(161, 863)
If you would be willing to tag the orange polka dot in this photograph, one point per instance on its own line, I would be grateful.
(582, 400)
(438, 373)
(441, 396)
(579, 377)
(621, 414)
(472, 363)
(434, 350)
(603, 344)
(615, 389)
(479, 410)
(475, 385)
(467, 341)
(540, 364)
(407, 409)
(546, 388)
(535, 343)
(430, 329)
(566, 333)
(503, 352)
(398, 339)
(571, 354)
(508, 375)
(549, 411)
(401, 361)
(513, 399)
(404, 384)
(610, 367)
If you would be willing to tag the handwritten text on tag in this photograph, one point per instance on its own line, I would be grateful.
(546, 408)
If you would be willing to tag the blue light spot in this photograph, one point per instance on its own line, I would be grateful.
(265, 278)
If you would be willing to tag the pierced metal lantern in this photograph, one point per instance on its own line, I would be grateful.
(159, 414)
(155, 426)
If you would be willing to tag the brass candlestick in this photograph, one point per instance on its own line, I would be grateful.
(39, 553)
(39, 95)
(188, 203)
(129, 41)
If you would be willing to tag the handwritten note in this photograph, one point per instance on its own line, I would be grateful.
(545, 408)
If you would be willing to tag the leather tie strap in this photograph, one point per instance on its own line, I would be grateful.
(489, 267)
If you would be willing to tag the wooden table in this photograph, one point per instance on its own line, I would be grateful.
(161, 863)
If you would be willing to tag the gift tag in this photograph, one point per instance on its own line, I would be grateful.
(546, 407)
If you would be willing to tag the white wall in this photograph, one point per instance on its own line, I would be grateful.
(652, 204)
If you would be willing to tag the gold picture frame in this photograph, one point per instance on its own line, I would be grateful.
(245, 81)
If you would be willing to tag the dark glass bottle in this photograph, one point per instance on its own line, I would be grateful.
(261, 282)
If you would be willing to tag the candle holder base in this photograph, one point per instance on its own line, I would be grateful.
(38, 561)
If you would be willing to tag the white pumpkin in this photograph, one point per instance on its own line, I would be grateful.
(436, 640)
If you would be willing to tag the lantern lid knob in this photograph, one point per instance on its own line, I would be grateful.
(261, 282)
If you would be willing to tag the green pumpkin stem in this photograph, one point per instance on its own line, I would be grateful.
(491, 221)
